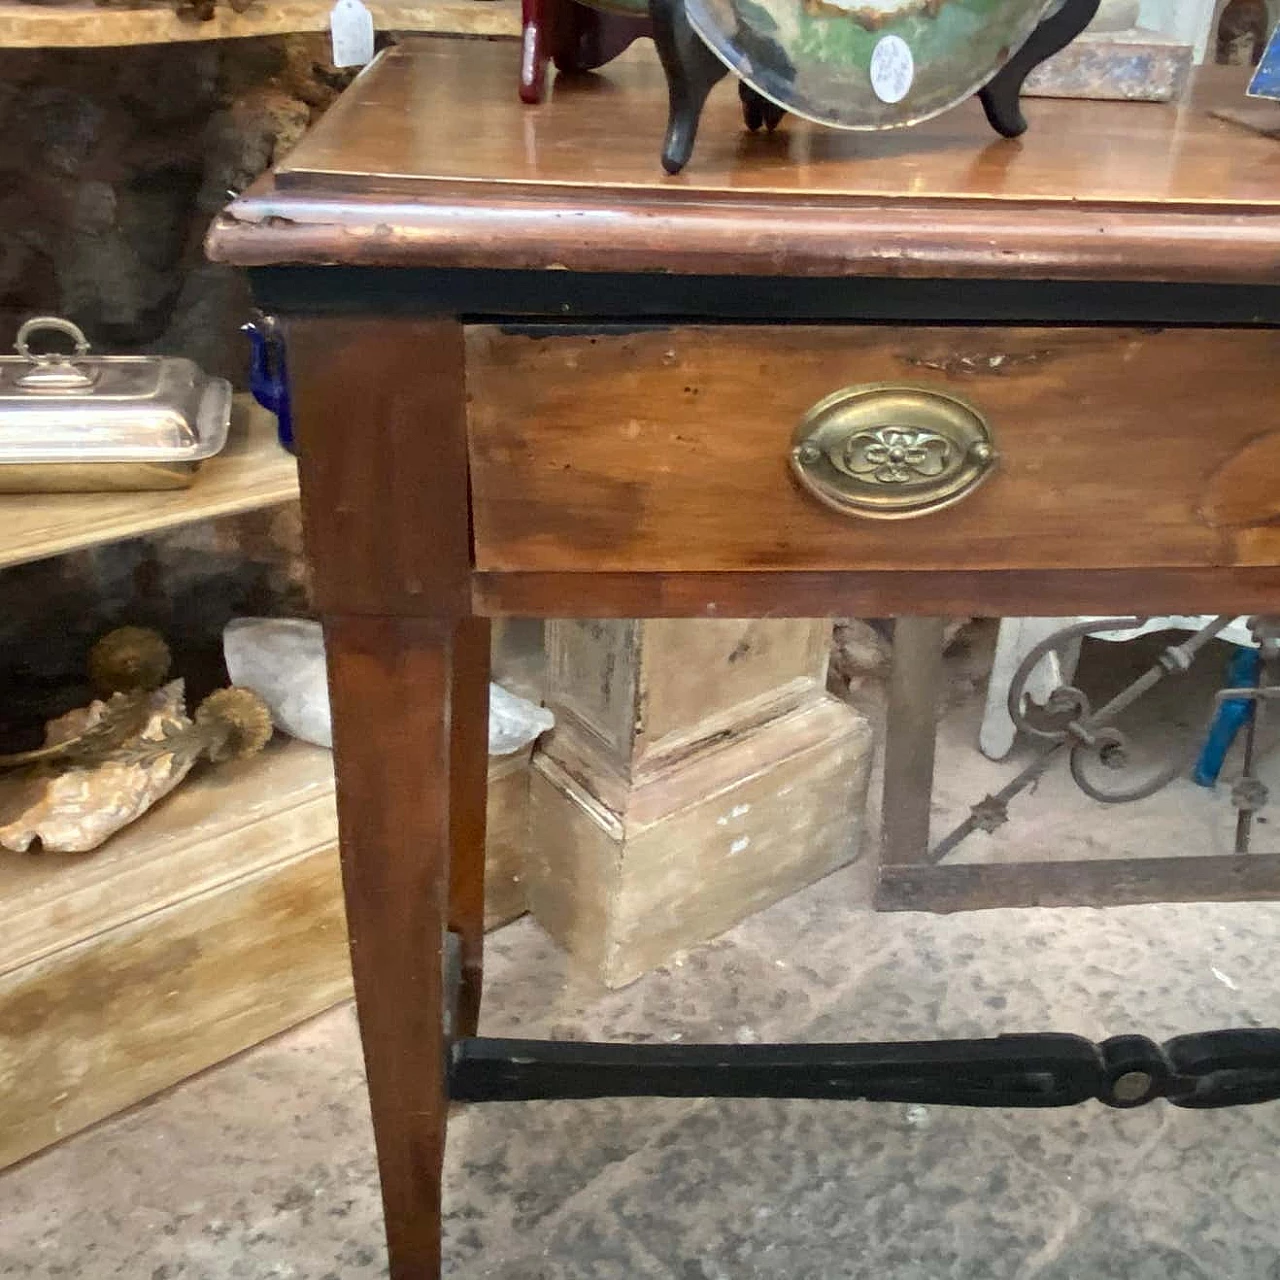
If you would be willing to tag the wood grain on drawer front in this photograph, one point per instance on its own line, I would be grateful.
(668, 449)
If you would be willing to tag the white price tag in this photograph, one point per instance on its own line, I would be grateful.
(352, 27)
(892, 69)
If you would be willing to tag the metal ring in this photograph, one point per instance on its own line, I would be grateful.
(56, 324)
(1080, 754)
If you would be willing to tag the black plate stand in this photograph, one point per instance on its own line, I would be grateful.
(693, 71)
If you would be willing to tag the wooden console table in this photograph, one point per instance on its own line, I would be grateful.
(532, 376)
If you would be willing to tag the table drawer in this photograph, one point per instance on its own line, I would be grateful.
(672, 449)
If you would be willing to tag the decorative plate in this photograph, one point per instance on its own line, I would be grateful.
(865, 64)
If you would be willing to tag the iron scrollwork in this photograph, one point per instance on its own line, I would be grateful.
(1099, 752)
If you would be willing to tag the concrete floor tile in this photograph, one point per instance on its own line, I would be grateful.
(724, 991)
(758, 1190)
(826, 934)
(1211, 1187)
(512, 1165)
(262, 1168)
(583, 1247)
(1112, 1245)
(1209, 965)
(1088, 1150)
(985, 974)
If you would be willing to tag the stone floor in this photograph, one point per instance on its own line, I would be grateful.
(264, 1167)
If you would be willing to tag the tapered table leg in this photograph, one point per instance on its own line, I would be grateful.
(411, 821)
(382, 457)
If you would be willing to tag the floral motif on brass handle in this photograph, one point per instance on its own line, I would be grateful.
(895, 455)
(886, 451)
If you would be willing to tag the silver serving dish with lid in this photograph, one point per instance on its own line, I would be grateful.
(78, 423)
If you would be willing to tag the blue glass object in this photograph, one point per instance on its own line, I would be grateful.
(1242, 673)
(268, 373)
(1266, 79)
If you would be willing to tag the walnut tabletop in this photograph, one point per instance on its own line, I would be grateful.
(431, 160)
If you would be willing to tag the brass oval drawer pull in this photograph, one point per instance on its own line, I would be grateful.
(889, 452)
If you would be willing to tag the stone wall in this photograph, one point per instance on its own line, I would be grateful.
(188, 583)
(113, 161)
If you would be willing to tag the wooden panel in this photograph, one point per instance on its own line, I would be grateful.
(101, 1026)
(624, 876)
(507, 820)
(920, 240)
(390, 684)
(667, 450)
(252, 471)
(1001, 593)
(1100, 883)
(378, 405)
(726, 670)
(223, 824)
(654, 688)
(180, 905)
(82, 24)
(591, 676)
(656, 721)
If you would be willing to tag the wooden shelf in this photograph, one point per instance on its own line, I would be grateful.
(210, 924)
(213, 922)
(252, 471)
(223, 824)
(82, 24)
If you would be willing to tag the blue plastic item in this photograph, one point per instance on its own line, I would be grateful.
(269, 375)
(1243, 672)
